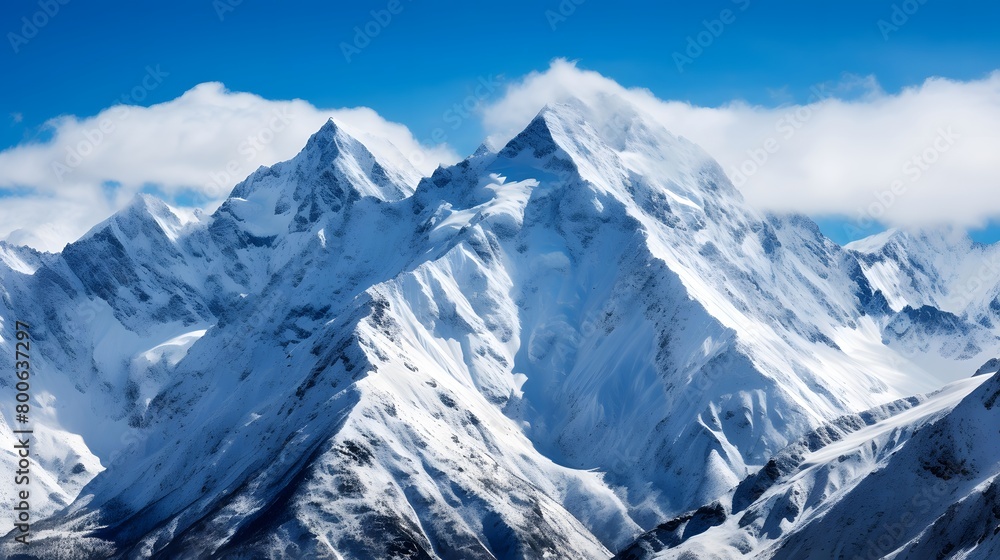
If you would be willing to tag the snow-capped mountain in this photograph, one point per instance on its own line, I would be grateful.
(543, 351)
(941, 291)
(915, 479)
(938, 267)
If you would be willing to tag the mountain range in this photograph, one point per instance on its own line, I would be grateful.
(583, 344)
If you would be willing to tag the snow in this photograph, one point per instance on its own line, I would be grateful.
(173, 350)
(799, 512)
(943, 400)
(874, 243)
(11, 259)
(174, 221)
(936, 266)
(545, 349)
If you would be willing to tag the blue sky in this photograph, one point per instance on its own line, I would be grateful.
(431, 55)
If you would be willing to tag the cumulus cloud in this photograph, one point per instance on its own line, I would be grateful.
(926, 155)
(191, 150)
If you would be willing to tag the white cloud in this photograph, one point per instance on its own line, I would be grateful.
(201, 143)
(830, 156)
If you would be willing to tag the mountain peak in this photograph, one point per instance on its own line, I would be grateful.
(942, 238)
(567, 126)
(338, 156)
(332, 171)
(483, 149)
(146, 213)
(325, 140)
(615, 144)
(592, 317)
(874, 243)
(537, 136)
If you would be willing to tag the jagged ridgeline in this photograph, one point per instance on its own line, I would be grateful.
(544, 351)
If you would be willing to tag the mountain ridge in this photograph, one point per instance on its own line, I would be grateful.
(549, 348)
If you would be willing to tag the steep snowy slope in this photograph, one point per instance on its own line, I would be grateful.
(936, 497)
(942, 291)
(537, 352)
(918, 268)
(115, 312)
(286, 391)
(915, 480)
(938, 267)
(63, 462)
